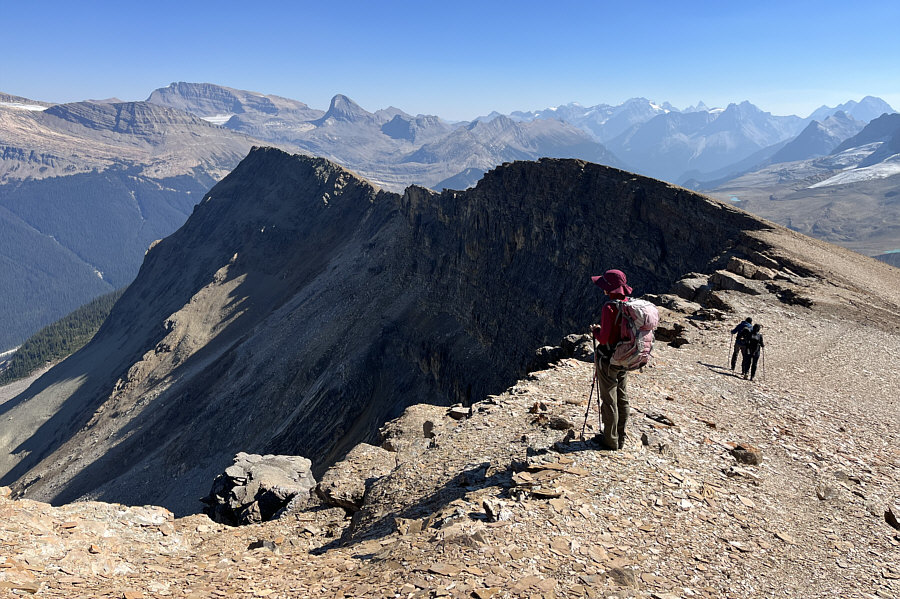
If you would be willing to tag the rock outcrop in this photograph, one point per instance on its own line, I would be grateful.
(345, 484)
(300, 308)
(257, 488)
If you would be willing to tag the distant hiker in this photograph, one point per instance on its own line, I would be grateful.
(612, 380)
(752, 347)
(742, 330)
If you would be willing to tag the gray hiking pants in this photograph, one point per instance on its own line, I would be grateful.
(612, 383)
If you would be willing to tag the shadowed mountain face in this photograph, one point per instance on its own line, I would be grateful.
(299, 308)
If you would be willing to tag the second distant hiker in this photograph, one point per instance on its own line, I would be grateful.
(742, 330)
(753, 346)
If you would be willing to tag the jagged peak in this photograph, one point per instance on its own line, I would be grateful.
(342, 108)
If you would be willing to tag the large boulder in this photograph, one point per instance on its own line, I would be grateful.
(693, 287)
(722, 279)
(749, 270)
(345, 484)
(257, 488)
(414, 430)
(578, 346)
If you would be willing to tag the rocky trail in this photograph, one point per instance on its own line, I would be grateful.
(727, 488)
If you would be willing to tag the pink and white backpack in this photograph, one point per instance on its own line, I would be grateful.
(638, 319)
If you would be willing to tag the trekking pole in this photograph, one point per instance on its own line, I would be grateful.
(730, 341)
(763, 358)
(591, 394)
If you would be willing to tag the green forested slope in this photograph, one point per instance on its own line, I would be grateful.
(66, 240)
(58, 340)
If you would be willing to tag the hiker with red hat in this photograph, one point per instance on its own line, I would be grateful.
(611, 380)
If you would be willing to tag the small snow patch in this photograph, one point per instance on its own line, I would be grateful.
(20, 106)
(218, 119)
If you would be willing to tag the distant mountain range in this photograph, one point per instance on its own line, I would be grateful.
(86, 187)
(388, 147)
(850, 196)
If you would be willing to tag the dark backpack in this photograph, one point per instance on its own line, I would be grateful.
(754, 343)
(742, 336)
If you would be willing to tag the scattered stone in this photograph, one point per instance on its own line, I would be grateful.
(464, 534)
(546, 492)
(826, 492)
(459, 412)
(537, 407)
(345, 484)
(256, 488)
(496, 510)
(789, 296)
(672, 302)
(741, 267)
(747, 454)
(786, 538)
(560, 424)
(671, 332)
(892, 516)
(5, 492)
(262, 545)
(742, 472)
(407, 430)
(746, 501)
(661, 418)
(407, 526)
(624, 577)
(444, 569)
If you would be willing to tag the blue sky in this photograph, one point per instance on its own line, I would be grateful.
(461, 59)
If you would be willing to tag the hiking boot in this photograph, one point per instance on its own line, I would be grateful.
(599, 440)
(623, 440)
(745, 376)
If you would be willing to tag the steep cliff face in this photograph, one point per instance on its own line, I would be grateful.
(300, 307)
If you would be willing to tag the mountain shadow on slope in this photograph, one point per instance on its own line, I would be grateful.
(300, 307)
(70, 239)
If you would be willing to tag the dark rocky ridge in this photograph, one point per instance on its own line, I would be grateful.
(299, 308)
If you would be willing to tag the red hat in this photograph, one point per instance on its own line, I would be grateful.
(612, 281)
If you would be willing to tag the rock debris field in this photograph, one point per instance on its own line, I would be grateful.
(786, 486)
